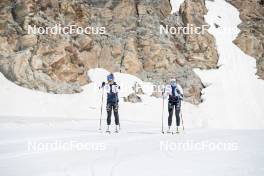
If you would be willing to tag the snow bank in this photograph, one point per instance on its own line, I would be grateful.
(18, 102)
(176, 5)
(22, 102)
(235, 97)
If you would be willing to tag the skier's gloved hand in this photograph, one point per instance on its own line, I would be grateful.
(181, 96)
(163, 92)
(103, 84)
(116, 85)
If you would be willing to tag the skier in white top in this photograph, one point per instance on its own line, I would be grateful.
(174, 102)
(112, 100)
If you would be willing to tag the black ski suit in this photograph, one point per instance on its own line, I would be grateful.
(112, 102)
(174, 102)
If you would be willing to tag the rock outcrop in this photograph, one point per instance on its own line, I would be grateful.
(133, 98)
(132, 43)
(251, 37)
(201, 48)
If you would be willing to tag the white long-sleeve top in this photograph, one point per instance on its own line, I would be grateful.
(112, 92)
(114, 86)
(169, 91)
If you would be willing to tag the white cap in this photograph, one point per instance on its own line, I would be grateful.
(173, 80)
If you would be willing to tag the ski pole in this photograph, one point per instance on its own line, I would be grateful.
(162, 115)
(117, 101)
(119, 122)
(181, 115)
(182, 122)
(100, 128)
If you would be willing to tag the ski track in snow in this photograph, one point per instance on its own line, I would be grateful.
(130, 154)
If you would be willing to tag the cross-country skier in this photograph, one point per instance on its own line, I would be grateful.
(174, 102)
(111, 89)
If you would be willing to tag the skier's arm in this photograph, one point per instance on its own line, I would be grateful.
(180, 91)
(166, 92)
(180, 95)
(102, 86)
(117, 87)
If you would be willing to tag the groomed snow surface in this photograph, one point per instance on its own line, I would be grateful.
(233, 103)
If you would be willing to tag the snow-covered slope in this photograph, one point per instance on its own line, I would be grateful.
(19, 101)
(176, 5)
(235, 97)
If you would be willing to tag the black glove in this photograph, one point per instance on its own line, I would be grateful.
(181, 97)
(116, 85)
(163, 92)
(103, 84)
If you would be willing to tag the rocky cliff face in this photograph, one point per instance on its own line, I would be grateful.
(132, 43)
(251, 37)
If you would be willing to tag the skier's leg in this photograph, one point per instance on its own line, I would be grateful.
(178, 118)
(109, 113)
(177, 112)
(170, 109)
(115, 107)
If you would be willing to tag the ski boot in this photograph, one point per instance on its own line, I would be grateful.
(169, 130)
(116, 129)
(107, 130)
(177, 130)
